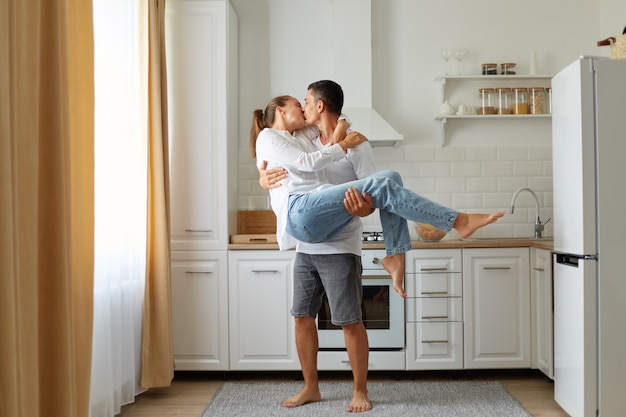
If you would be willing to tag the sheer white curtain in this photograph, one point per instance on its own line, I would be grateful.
(120, 201)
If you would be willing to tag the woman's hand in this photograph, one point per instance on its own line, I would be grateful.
(352, 140)
(270, 178)
(358, 204)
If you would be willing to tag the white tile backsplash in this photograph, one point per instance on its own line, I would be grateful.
(472, 179)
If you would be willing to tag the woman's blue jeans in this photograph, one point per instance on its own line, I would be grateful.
(319, 216)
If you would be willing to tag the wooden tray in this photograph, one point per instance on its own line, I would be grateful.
(254, 238)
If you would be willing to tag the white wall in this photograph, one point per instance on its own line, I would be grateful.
(287, 42)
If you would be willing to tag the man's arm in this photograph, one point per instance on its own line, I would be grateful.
(358, 204)
(271, 178)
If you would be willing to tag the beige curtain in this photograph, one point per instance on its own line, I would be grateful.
(156, 351)
(46, 207)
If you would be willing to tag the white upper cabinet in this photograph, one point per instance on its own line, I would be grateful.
(201, 47)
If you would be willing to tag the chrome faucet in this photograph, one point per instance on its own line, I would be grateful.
(538, 225)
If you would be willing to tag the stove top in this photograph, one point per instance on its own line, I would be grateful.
(372, 237)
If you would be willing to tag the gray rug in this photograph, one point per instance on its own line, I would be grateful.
(389, 399)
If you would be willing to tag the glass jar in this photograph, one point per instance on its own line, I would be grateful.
(504, 101)
(537, 100)
(487, 101)
(490, 69)
(548, 100)
(508, 68)
(520, 100)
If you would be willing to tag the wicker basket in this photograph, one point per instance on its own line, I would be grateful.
(617, 44)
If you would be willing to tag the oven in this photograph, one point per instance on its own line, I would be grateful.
(382, 307)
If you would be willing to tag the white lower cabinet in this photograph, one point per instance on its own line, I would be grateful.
(434, 309)
(261, 326)
(200, 310)
(496, 308)
(542, 311)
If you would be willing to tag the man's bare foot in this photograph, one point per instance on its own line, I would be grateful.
(466, 224)
(394, 265)
(303, 397)
(360, 402)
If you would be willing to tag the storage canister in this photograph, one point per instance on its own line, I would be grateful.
(504, 101)
(520, 100)
(508, 68)
(549, 100)
(490, 69)
(537, 100)
(487, 101)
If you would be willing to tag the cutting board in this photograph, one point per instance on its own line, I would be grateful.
(251, 222)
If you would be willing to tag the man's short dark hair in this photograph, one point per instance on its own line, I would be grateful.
(330, 93)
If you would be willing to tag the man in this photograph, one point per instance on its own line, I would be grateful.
(332, 267)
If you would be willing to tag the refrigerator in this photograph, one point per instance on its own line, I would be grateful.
(589, 193)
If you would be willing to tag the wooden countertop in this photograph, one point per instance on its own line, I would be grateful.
(543, 243)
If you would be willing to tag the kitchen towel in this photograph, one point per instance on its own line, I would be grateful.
(389, 399)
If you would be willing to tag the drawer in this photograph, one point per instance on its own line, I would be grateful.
(434, 345)
(447, 284)
(378, 360)
(434, 309)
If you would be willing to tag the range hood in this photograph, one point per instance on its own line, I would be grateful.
(328, 39)
(352, 67)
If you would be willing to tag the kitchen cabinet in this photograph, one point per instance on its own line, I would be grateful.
(202, 76)
(201, 45)
(200, 310)
(261, 326)
(434, 309)
(542, 311)
(464, 90)
(496, 308)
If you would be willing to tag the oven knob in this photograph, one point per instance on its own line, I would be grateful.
(375, 261)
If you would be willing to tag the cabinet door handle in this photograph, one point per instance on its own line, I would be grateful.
(198, 272)
(494, 268)
(434, 341)
(198, 230)
(433, 269)
(434, 292)
(267, 271)
(434, 317)
(539, 269)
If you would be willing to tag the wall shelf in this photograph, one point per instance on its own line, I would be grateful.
(501, 80)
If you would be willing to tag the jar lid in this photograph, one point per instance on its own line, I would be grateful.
(489, 65)
(536, 89)
(486, 90)
(520, 89)
(508, 64)
(503, 89)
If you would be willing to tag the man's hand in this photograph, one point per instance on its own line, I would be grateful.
(270, 178)
(358, 204)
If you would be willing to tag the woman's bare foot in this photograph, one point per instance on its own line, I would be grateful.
(360, 402)
(394, 265)
(466, 224)
(303, 397)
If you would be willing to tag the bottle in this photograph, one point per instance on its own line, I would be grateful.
(487, 101)
(537, 100)
(504, 100)
(520, 100)
(549, 100)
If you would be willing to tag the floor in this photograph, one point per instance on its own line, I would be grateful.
(191, 391)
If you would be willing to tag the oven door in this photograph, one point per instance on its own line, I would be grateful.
(383, 316)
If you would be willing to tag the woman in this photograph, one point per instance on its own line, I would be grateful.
(311, 210)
